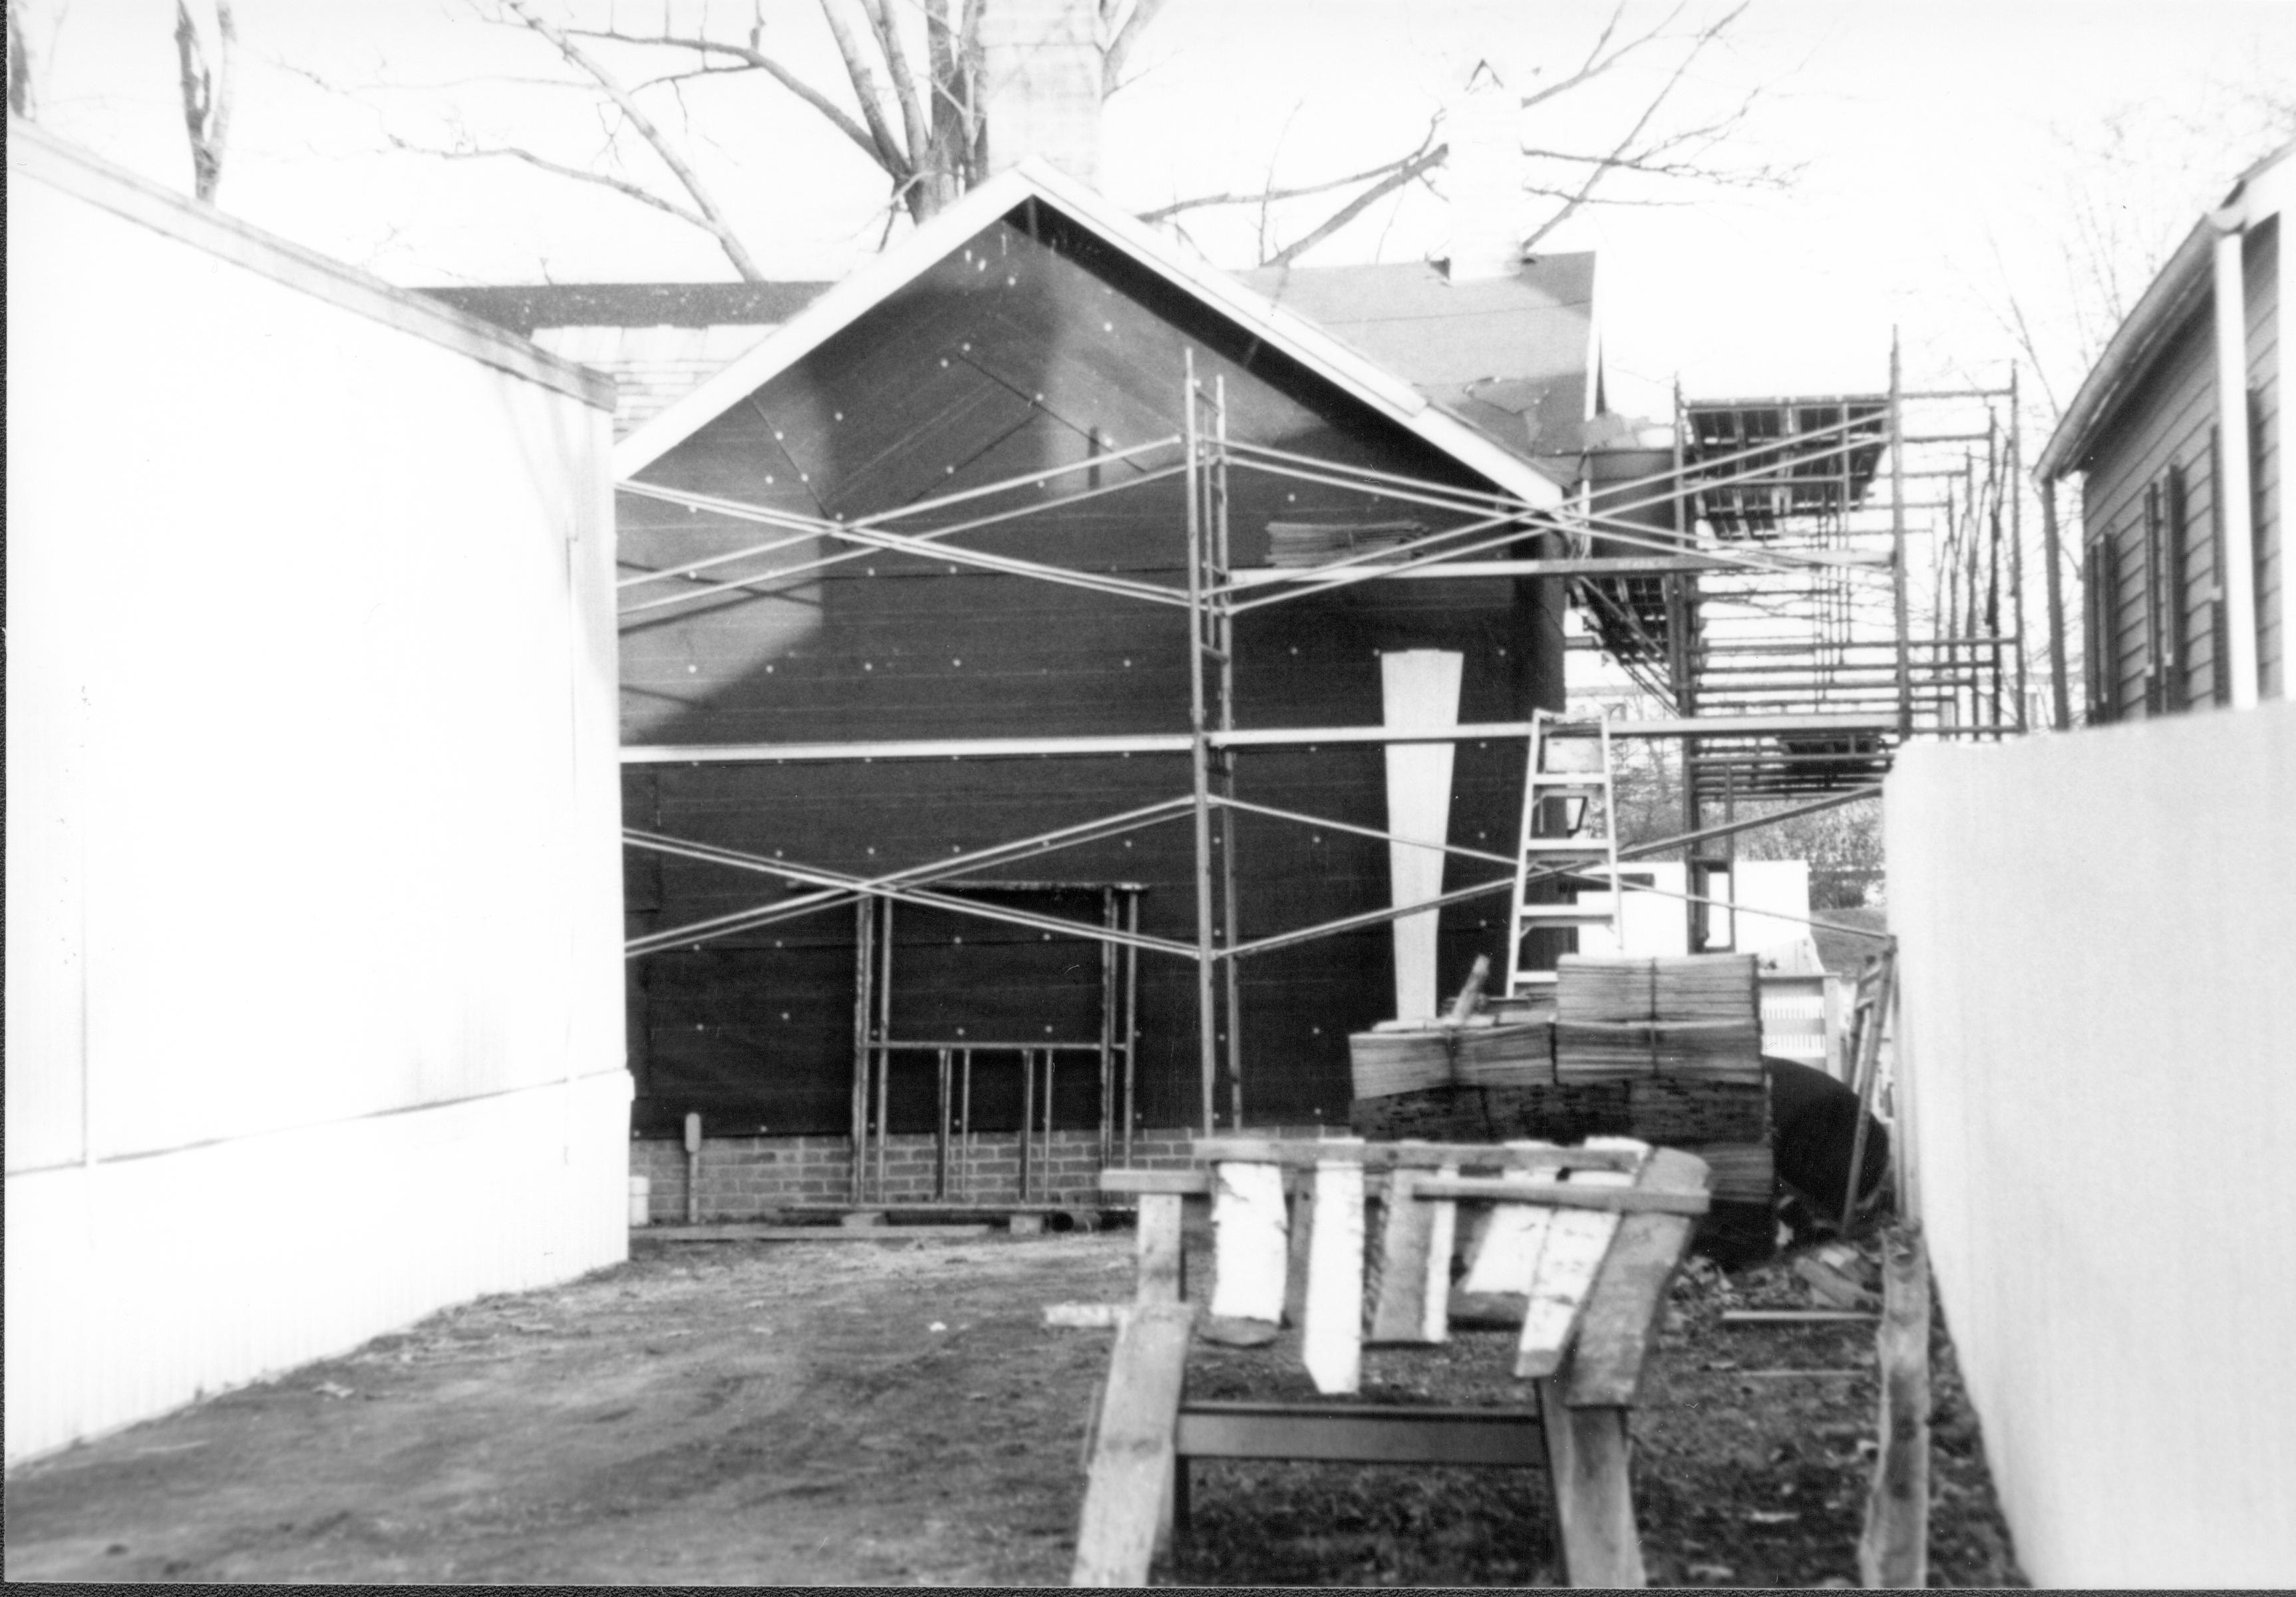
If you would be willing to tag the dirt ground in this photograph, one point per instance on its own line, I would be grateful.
(897, 1413)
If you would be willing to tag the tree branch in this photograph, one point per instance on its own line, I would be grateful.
(1117, 39)
(904, 86)
(763, 63)
(21, 100)
(207, 91)
(621, 186)
(1603, 166)
(712, 218)
(1202, 202)
(864, 79)
(1362, 202)
(1597, 63)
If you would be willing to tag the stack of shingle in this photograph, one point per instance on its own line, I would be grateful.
(1685, 1033)
(1696, 1017)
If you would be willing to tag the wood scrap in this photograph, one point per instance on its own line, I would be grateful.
(1332, 1327)
(1894, 1550)
(1249, 1234)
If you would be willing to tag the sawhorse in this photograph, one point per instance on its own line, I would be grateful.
(1588, 1238)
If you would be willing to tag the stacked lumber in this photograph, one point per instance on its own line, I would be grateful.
(1682, 1113)
(1694, 1017)
(1320, 543)
(1560, 1111)
(1386, 1062)
(1393, 1058)
(1502, 1055)
(1737, 1172)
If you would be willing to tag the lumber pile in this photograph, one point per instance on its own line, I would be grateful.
(1665, 1050)
(1696, 1017)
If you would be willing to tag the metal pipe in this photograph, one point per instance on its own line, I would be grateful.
(2238, 580)
(1898, 596)
(1028, 1112)
(2052, 573)
(1662, 726)
(1200, 755)
(865, 965)
(815, 528)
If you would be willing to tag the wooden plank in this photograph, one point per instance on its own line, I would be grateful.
(1793, 1317)
(1894, 1550)
(1577, 1242)
(1248, 1242)
(1506, 1254)
(1087, 1316)
(1181, 1182)
(812, 1234)
(1594, 1502)
(1617, 1200)
(1364, 1434)
(1130, 1480)
(1420, 1156)
(1301, 1207)
(1332, 1335)
(1158, 1249)
(1620, 1327)
(1414, 1279)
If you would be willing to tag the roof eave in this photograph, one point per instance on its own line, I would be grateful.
(2170, 298)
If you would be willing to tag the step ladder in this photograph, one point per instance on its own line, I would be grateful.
(1567, 819)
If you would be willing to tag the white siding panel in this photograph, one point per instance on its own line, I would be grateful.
(314, 914)
(138, 1285)
(2098, 933)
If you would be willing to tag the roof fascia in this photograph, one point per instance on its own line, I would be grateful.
(2167, 301)
(838, 308)
(1293, 335)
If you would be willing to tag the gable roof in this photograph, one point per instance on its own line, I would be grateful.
(1328, 356)
(2174, 295)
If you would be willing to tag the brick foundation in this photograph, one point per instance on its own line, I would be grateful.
(745, 1178)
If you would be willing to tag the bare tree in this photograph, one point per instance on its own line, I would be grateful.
(917, 116)
(206, 80)
(1653, 147)
(22, 102)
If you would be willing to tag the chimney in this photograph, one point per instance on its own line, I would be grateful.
(1040, 83)
(1485, 172)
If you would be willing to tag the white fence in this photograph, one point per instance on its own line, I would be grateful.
(313, 888)
(2099, 965)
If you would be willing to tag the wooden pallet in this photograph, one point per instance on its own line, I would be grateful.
(1574, 1245)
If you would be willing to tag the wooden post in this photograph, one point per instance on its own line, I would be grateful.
(1163, 1278)
(1894, 1551)
(1331, 1326)
(1593, 1502)
(1128, 1492)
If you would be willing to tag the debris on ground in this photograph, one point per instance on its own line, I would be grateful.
(780, 1414)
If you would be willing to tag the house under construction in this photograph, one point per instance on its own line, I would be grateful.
(1068, 690)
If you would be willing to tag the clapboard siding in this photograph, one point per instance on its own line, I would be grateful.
(2165, 427)
(1021, 352)
(2171, 425)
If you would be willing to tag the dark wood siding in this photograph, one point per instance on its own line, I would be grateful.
(1031, 348)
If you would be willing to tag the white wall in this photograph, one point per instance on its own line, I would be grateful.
(313, 891)
(2099, 962)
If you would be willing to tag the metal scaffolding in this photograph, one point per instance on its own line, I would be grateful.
(1756, 583)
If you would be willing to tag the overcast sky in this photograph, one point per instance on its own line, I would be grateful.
(1946, 154)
